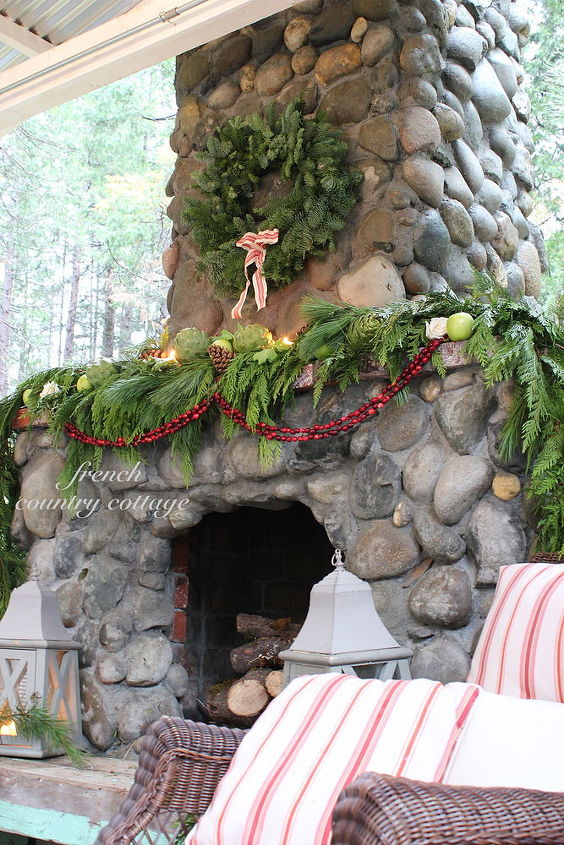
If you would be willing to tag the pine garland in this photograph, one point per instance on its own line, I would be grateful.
(308, 153)
(34, 722)
(514, 341)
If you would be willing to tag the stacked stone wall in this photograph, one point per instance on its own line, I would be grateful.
(429, 96)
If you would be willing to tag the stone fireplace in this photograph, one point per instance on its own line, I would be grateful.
(428, 95)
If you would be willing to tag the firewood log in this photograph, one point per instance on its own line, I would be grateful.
(260, 653)
(254, 626)
(247, 696)
(273, 682)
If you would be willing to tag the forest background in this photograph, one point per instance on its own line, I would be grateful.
(83, 211)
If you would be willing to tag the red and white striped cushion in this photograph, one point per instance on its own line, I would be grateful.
(314, 739)
(521, 648)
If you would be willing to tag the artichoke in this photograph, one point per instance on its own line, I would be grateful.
(97, 374)
(191, 343)
(251, 338)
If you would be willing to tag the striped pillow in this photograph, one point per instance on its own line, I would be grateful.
(314, 739)
(521, 648)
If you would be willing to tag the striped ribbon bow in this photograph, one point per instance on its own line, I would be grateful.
(255, 243)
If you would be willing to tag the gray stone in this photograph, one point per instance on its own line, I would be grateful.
(458, 81)
(462, 482)
(148, 659)
(486, 32)
(450, 122)
(522, 225)
(383, 551)
(378, 135)
(415, 91)
(111, 668)
(441, 660)
(305, 90)
(18, 531)
(122, 545)
(244, 459)
(505, 70)
(119, 475)
(231, 54)
(341, 528)
(495, 266)
(522, 167)
(463, 416)
(457, 271)
(422, 470)
(489, 97)
(401, 426)
(409, 19)
(506, 240)
(224, 96)
(372, 282)
(177, 679)
(426, 178)
(466, 46)
(442, 596)
(140, 709)
(469, 165)
(502, 144)
(430, 389)
(515, 280)
(458, 222)
(304, 59)
(437, 18)
(496, 537)
(40, 498)
(150, 609)
(416, 279)
(376, 230)
(477, 256)
(329, 487)
(374, 10)
(68, 555)
(390, 601)
(98, 719)
(452, 102)
(457, 188)
(376, 174)
(296, 33)
(153, 554)
(464, 18)
(431, 243)
(101, 528)
(489, 196)
(375, 487)
(524, 202)
(273, 75)
(473, 129)
(69, 598)
(497, 22)
(528, 260)
(333, 24)
(378, 41)
(418, 129)
(420, 55)
(115, 630)
(193, 68)
(444, 545)
(347, 102)
(492, 165)
(104, 585)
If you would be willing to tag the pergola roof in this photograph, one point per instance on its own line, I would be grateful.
(54, 50)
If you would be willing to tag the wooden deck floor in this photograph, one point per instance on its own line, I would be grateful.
(53, 801)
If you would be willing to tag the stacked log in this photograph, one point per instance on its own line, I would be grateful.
(240, 701)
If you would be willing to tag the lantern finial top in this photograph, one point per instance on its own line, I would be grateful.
(337, 560)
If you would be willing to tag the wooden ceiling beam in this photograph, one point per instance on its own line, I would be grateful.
(147, 34)
(21, 39)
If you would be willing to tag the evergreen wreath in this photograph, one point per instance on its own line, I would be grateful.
(311, 153)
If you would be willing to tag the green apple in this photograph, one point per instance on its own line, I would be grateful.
(460, 326)
(83, 383)
(26, 396)
(223, 343)
(323, 351)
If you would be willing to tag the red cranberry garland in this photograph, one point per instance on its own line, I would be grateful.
(272, 432)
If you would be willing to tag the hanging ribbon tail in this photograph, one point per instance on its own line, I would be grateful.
(255, 243)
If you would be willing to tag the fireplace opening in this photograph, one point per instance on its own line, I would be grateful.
(251, 561)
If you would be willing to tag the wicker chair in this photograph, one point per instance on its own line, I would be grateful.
(381, 810)
(180, 764)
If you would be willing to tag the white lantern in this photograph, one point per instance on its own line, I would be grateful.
(343, 633)
(38, 659)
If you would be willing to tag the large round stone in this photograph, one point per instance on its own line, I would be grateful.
(376, 230)
(431, 243)
(418, 129)
(296, 33)
(456, 187)
(466, 46)
(378, 41)
(374, 10)
(469, 165)
(383, 551)
(104, 585)
(506, 239)
(420, 55)
(458, 222)
(497, 538)
(443, 597)
(450, 122)
(462, 482)
(485, 225)
(273, 75)
(528, 260)
(444, 545)
(231, 54)
(137, 710)
(504, 69)
(490, 196)
(304, 59)
(244, 459)
(502, 144)
(333, 24)
(68, 555)
(347, 102)
(488, 96)
(458, 81)
(69, 598)
(193, 68)
(378, 135)
(148, 659)
(426, 178)
(376, 487)
(372, 282)
(463, 416)
(98, 716)
(441, 660)
(421, 471)
(337, 61)
(40, 499)
(416, 279)
(401, 426)
(115, 630)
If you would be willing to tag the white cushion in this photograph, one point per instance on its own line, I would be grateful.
(314, 739)
(510, 742)
(521, 649)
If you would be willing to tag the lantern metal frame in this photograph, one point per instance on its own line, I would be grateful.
(38, 660)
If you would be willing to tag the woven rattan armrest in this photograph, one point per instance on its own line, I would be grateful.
(382, 810)
(180, 764)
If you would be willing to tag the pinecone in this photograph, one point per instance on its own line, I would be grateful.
(221, 357)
